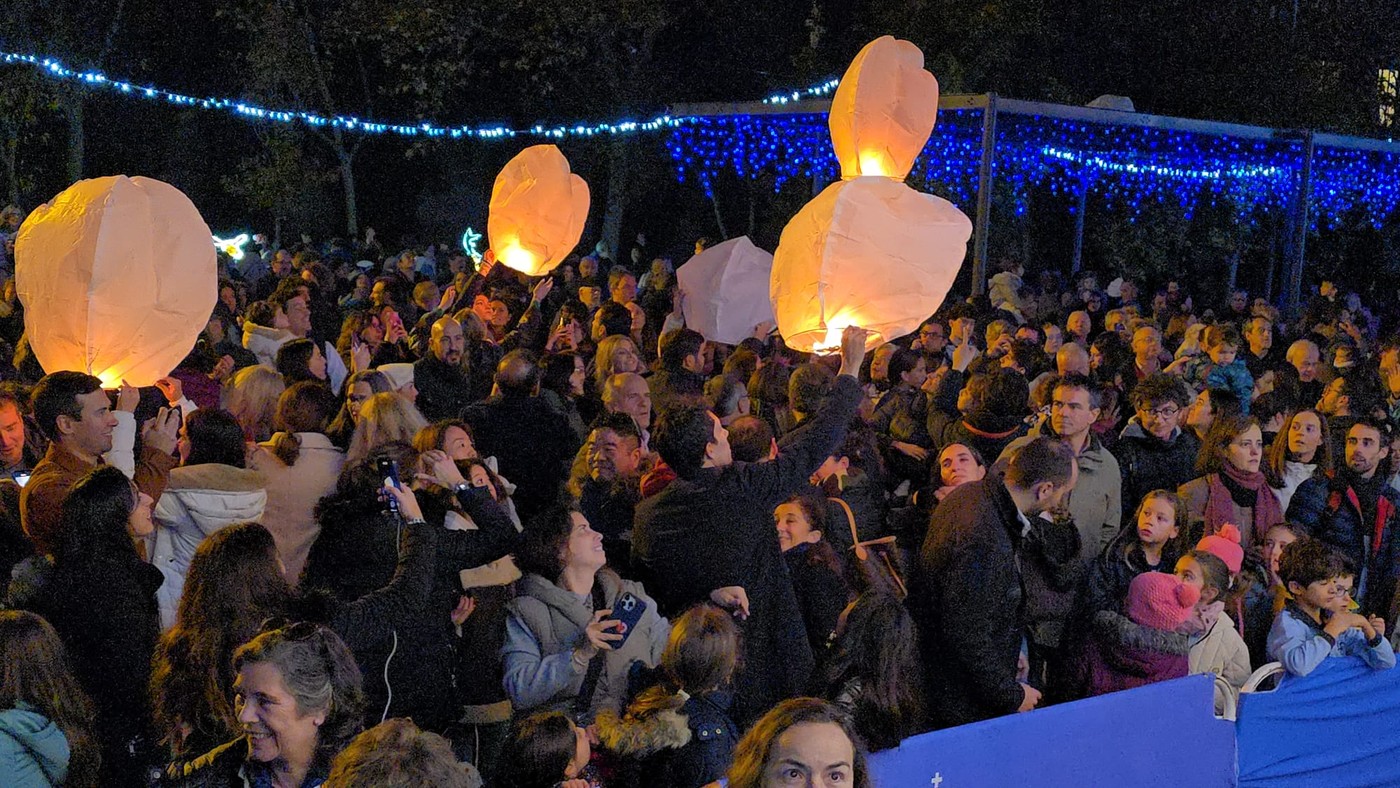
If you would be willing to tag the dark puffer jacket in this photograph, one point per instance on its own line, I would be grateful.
(357, 552)
(686, 748)
(1329, 508)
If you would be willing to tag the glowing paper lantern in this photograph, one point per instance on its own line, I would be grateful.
(869, 252)
(537, 211)
(117, 277)
(883, 111)
(726, 290)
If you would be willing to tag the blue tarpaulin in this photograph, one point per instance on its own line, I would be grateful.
(1337, 727)
(1139, 738)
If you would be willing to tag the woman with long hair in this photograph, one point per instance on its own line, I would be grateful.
(301, 465)
(361, 332)
(1231, 487)
(556, 626)
(818, 577)
(45, 717)
(615, 354)
(212, 488)
(874, 670)
(357, 550)
(801, 738)
(251, 397)
(562, 385)
(359, 387)
(301, 359)
(101, 599)
(233, 585)
(1299, 452)
(384, 418)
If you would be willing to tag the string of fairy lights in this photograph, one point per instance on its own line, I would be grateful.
(1123, 164)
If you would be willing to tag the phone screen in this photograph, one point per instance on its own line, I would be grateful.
(388, 472)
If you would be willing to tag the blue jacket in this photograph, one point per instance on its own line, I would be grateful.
(1328, 508)
(33, 751)
(1235, 377)
(1300, 644)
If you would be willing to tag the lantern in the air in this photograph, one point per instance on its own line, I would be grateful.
(883, 111)
(869, 252)
(538, 208)
(726, 290)
(117, 277)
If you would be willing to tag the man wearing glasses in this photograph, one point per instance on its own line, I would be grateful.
(1153, 451)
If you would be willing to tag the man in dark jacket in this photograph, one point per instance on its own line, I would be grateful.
(1354, 512)
(608, 496)
(1154, 452)
(531, 440)
(709, 535)
(967, 600)
(678, 379)
(444, 389)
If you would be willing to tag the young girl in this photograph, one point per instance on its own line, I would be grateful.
(1157, 542)
(1216, 648)
(678, 732)
(546, 750)
(1263, 600)
(813, 565)
(1144, 647)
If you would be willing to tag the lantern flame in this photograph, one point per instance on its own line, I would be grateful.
(516, 257)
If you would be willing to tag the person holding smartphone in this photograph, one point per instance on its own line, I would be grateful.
(575, 628)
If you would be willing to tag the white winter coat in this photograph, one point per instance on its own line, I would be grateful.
(1221, 651)
(199, 500)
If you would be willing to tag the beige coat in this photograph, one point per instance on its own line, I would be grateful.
(292, 494)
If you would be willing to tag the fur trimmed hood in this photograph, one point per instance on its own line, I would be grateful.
(640, 738)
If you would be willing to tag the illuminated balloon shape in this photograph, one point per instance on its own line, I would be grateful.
(883, 111)
(537, 211)
(726, 290)
(117, 277)
(869, 252)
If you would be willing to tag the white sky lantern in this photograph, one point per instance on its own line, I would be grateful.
(869, 251)
(538, 208)
(117, 277)
(884, 110)
(726, 290)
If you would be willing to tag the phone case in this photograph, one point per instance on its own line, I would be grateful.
(628, 609)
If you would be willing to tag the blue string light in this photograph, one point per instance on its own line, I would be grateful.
(56, 70)
(1126, 165)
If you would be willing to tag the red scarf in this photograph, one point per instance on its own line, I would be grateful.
(1220, 507)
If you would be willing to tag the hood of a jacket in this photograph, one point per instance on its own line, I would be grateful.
(214, 494)
(40, 737)
(535, 586)
(632, 737)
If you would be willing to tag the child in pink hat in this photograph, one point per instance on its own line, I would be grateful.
(1145, 647)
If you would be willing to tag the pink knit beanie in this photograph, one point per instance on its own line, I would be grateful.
(1225, 545)
(1161, 601)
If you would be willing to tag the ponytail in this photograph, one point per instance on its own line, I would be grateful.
(286, 446)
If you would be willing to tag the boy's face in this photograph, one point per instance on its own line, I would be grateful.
(1316, 596)
(1222, 354)
(1341, 601)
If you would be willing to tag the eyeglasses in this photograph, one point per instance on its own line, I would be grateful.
(1162, 413)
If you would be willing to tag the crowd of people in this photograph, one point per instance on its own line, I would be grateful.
(418, 516)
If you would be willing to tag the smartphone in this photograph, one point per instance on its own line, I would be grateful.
(21, 477)
(628, 609)
(388, 472)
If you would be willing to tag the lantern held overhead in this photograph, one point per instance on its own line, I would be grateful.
(538, 208)
(883, 111)
(870, 253)
(117, 277)
(726, 290)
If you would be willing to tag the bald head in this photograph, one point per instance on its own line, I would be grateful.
(447, 341)
(1071, 359)
(517, 375)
